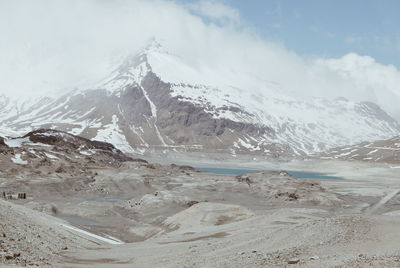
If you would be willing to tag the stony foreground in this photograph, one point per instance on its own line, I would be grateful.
(137, 214)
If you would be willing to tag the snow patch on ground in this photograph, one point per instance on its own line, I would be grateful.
(89, 152)
(18, 160)
(112, 133)
(109, 240)
(16, 142)
(51, 156)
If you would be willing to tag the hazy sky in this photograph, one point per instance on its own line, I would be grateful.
(309, 48)
(328, 28)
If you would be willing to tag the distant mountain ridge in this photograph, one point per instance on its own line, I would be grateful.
(155, 101)
(387, 151)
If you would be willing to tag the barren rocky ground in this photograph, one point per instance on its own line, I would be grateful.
(104, 210)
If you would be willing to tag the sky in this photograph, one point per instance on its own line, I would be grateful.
(328, 28)
(310, 48)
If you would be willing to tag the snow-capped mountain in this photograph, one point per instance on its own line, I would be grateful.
(156, 101)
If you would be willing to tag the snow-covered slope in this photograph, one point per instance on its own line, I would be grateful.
(387, 151)
(156, 101)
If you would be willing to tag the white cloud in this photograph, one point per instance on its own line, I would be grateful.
(55, 44)
(216, 10)
(365, 79)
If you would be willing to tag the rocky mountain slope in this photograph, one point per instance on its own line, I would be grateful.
(47, 151)
(387, 151)
(156, 101)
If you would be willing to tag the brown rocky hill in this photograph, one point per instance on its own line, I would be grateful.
(47, 151)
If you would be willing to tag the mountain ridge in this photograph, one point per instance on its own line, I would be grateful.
(384, 151)
(154, 101)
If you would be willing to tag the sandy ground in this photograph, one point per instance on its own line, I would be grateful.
(173, 216)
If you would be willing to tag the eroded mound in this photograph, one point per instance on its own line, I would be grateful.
(208, 214)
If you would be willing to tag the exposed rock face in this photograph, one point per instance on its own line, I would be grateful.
(2, 144)
(4, 149)
(66, 140)
(47, 151)
(140, 108)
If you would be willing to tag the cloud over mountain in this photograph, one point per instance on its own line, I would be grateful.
(53, 45)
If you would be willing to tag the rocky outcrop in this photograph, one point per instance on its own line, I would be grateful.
(48, 151)
(2, 143)
(386, 151)
(65, 140)
(4, 149)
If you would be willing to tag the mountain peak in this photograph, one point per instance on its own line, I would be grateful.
(132, 69)
(137, 59)
(153, 45)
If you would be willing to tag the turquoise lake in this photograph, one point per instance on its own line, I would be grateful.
(295, 174)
